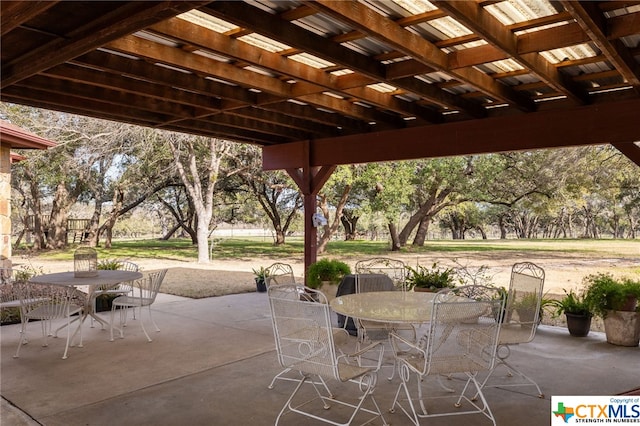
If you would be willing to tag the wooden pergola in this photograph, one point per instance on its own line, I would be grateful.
(323, 83)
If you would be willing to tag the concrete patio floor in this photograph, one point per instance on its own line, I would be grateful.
(213, 360)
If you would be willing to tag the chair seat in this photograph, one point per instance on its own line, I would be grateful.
(16, 303)
(51, 311)
(444, 365)
(131, 302)
(513, 334)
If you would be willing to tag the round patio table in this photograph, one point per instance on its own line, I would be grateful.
(386, 306)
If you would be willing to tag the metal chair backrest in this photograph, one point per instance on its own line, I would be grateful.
(393, 268)
(302, 330)
(373, 282)
(147, 288)
(463, 333)
(523, 301)
(279, 274)
(126, 265)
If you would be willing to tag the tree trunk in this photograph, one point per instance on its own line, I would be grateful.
(395, 241)
(329, 230)
(349, 223)
(423, 230)
(38, 227)
(57, 237)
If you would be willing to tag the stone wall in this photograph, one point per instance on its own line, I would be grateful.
(5, 205)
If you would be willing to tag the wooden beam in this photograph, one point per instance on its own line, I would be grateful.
(126, 18)
(594, 25)
(483, 23)
(375, 25)
(613, 123)
(630, 150)
(15, 13)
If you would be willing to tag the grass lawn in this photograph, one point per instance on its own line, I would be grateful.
(182, 249)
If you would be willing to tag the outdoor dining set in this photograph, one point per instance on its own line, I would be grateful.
(441, 345)
(67, 299)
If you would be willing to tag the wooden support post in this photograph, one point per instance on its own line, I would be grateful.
(310, 180)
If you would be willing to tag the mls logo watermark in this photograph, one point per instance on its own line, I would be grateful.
(615, 410)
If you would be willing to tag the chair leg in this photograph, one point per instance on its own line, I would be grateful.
(502, 360)
(151, 317)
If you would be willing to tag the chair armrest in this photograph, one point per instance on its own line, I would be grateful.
(358, 355)
(412, 353)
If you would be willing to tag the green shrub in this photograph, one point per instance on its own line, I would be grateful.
(605, 293)
(433, 278)
(326, 270)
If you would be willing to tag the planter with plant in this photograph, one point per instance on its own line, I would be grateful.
(577, 311)
(431, 279)
(325, 275)
(615, 300)
(105, 301)
(261, 275)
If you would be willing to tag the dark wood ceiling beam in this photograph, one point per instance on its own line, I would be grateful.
(200, 65)
(613, 123)
(209, 129)
(126, 18)
(15, 13)
(139, 69)
(481, 22)
(540, 22)
(82, 106)
(359, 16)
(318, 80)
(115, 98)
(265, 128)
(611, 5)
(308, 112)
(594, 24)
(350, 109)
(271, 26)
(90, 77)
(205, 66)
(630, 150)
(275, 117)
(623, 25)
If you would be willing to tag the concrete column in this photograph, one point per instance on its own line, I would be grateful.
(5, 205)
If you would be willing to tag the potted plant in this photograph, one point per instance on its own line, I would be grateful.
(430, 279)
(615, 300)
(325, 275)
(261, 275)
(577, 311)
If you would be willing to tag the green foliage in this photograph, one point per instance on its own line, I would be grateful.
(25, 272)
(261, 273)
(572, 303)
(109, 264)
(326, 270)
(604, 293)
(433, 278)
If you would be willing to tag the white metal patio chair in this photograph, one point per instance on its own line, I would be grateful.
(521, 318)
(339, 336)
(122, 288)
(280, 273)
(305, 343)
(145, 291)
(9, 297)
(393, 268)
(47, 303)
(461, 340)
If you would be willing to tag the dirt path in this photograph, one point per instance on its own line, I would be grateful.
(563, 270)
